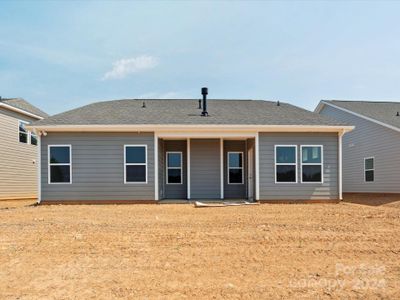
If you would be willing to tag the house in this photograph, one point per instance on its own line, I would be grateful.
(142, 151)
(371, 160)
(18, 149)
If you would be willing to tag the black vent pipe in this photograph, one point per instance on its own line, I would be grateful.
(204, 92)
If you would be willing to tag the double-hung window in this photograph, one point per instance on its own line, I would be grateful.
(24, 135)
(135, 164)
(369, 169)
(235, 167)
(174, 167)
(312, 163)
(60, 163)
(23, 132)
(285, 163)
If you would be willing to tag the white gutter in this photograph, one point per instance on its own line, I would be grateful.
(21, 111)
(188, 128)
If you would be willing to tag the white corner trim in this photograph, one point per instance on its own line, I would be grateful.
(257, 165)
(322, 103)
(221, 158)
(188, 167)
(156, 161)
(21, 111)
(340, 158)
(39, 171)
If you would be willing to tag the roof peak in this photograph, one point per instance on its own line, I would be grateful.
(362, 101)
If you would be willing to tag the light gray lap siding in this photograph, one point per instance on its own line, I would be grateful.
(98, 167)
(18, 161)
(269, 190)
(205, 172)
(368, 139)
(234, 190)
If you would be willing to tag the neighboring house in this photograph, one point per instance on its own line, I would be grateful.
(139, 151)
(18, 149)
(371, 160)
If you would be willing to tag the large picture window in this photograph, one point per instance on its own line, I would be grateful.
(59, 164)
(312, 163)
(135, 164)
(174, 167)
(285, 163)
(369, 169)
(235, 167)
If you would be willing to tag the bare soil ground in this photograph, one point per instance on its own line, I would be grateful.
(318, 251)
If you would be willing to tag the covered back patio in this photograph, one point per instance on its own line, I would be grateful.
(206, 167)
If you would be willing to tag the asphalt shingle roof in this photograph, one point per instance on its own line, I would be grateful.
(385, 112)
(24, 105)
(163, 111)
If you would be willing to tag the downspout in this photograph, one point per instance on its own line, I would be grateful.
(39, 166)
(340, 158)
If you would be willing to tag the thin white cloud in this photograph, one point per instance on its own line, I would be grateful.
(124, 67)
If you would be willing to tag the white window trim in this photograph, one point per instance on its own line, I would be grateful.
(28, 135)
(239, 168)
(312, 164)
(175, 168)
(30, 138)
(135, 164)
(59, 164)
(365, 170)
(285, 164)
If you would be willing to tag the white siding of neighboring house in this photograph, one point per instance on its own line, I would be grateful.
(18, 168)
(368, 139)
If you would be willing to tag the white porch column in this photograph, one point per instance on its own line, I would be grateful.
(221, 145)
(257, 166)
(340, 173)
(188, 167)
(156, 161)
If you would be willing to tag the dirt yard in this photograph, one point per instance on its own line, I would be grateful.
(176, 251)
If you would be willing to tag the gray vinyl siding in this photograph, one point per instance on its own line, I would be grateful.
(205, 174)
(269, 190)
(368, 139)
(176, 191)
(235, 190)
(98, 167)
(18, 161)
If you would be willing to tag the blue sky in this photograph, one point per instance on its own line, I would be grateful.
(60, 55)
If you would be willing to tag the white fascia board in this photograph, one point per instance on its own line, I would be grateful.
(21, 111)
(322, 103)
(187, 128)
